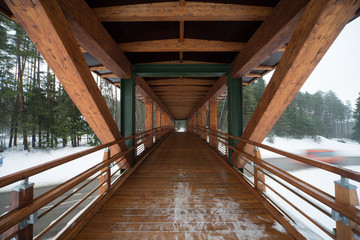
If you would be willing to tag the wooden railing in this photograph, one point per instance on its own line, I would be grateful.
(23, 213)
(340, 207)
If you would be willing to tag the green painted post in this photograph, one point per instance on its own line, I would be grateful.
(128, 112)
(235, 111)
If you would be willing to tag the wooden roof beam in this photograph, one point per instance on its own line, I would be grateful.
(271, 36)
(173, 11)
(215, 91)
(186, 45)
(47, 27)
(319, 26)
(93, 37)
(146, 91)
(99, 68)
(181, 82)
(180, 88)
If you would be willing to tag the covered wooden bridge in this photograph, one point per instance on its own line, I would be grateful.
(181, 58)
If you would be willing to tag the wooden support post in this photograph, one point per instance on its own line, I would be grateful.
(213, 121)
(22, 196)
(235, 111)
(259, 176)
(158, 121)
(128, 114)
(203, 122)
(163, 121)
(198, 122)
(149, 120)
(345, 193)
(105, 177)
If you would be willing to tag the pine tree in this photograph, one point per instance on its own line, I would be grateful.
(356, 114)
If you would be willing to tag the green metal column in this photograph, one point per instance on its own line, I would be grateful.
(235, 118)
(128, 112)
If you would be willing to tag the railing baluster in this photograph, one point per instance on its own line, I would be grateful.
(21, 196)
(105, 174)
(345, 193)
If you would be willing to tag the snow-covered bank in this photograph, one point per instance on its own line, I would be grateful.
(298, 146)
(17, 160)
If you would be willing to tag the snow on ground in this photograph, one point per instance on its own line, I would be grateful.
(298, 146)
(17, 160)
(319, 178)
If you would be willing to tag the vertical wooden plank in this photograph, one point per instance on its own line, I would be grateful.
(213, 120)
(149, 118)
(20, 198)
(198, 122)
(203, 122)
(158, 121)
(259, 175)
(105, 172)
(346, 194)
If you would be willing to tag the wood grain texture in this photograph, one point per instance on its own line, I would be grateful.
(182, 191)
(144, 88)
(216, 90)
(182, 82)
(48, 28)
(92, 36)
(191, 11)
(320, 24)
(184, 45)
(273, 34)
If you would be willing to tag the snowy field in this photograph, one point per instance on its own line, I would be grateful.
(16, 160)
(298, 146)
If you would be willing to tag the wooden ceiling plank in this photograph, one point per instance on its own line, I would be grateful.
(264, 68)
(273, 34)
(47, 27)
(319, 26)
(179, 88)
(189, 93)
(191, 11)
(215, 91)
(108, 75)
(187, 45)
(92, 36)
(99, 68)
(177, 81)
(144, 88)
(253, 75)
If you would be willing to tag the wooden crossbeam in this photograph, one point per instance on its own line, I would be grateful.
(182, 45)
(273, 34)
(178, 81)
(47, 27)
(173, 11)
(179, 88)
(187, 93)
(264, 68)
(320, 24)
(93, 37)
(146, 91)
(108, 75)
(99, 68)
(215, 91)
(253, 75)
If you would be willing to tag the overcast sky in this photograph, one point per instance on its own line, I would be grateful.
(339, 68)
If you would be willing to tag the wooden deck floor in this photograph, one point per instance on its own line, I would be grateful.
(182, 191)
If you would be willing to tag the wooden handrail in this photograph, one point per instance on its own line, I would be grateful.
(17, 176)
(316, 163)
(350, 212)
(10, 219)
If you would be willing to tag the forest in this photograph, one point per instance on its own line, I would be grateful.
(36, 110)
(34, 107)
(308, 115)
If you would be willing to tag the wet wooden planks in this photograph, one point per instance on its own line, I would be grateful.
(182, 191)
